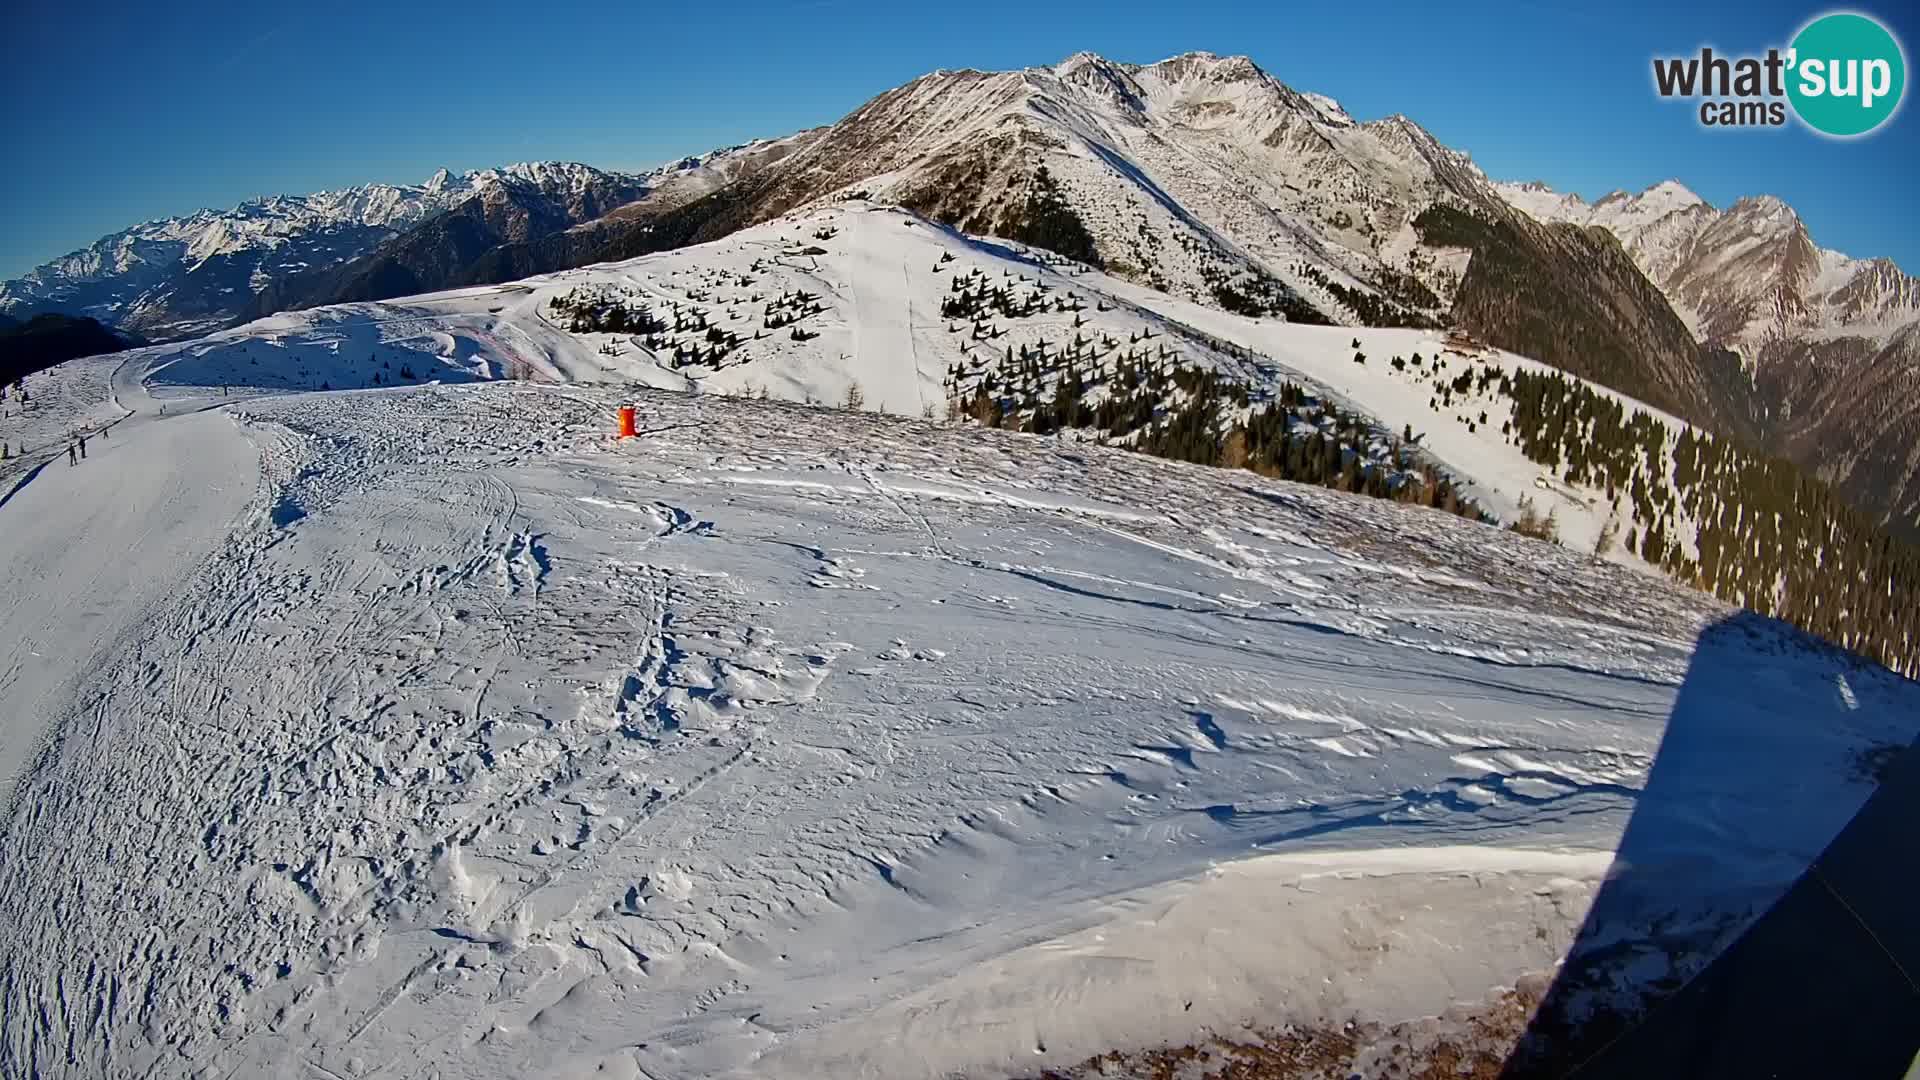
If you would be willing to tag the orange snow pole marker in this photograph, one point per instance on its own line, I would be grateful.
(626, 422)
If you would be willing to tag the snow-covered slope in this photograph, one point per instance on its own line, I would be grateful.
(1210, 180)
(677, 183)
(864, 286)
(442, 728)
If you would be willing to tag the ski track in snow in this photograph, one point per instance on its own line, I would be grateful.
(883, 327)
(77, 398)
(482, 744)
(86, 561)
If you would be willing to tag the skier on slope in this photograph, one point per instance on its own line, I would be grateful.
(73, 458)
(83, 448)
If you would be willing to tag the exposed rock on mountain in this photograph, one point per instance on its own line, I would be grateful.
(1830, 343)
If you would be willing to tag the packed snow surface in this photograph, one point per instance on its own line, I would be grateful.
(483, 744)
(433, 731)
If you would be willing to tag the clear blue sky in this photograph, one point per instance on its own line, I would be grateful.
(117, 113)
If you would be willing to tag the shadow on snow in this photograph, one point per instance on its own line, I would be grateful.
(1773, 742)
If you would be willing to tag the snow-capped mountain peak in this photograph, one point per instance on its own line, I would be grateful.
(1077, 62)
(1740, 276)
(1101, 77)
(1672, 193)
(552, 175)
(1768, 211)
(1208, 66)
(1329, 109)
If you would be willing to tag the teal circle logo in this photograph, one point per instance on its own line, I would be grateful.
(1848, 73)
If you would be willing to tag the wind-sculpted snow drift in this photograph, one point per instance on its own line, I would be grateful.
(786, 741)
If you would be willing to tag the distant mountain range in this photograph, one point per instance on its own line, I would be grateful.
(183, 276)
(1200, 175)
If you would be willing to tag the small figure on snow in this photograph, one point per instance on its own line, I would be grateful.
(83, 448)
(73, 456)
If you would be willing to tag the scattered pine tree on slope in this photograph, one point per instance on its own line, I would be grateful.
(1573, 298)
(1150, 402)
(1767, 535)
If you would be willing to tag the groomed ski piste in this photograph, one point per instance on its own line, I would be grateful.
(431, 730)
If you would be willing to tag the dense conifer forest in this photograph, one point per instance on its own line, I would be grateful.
(1764, 533)
(46, 340)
